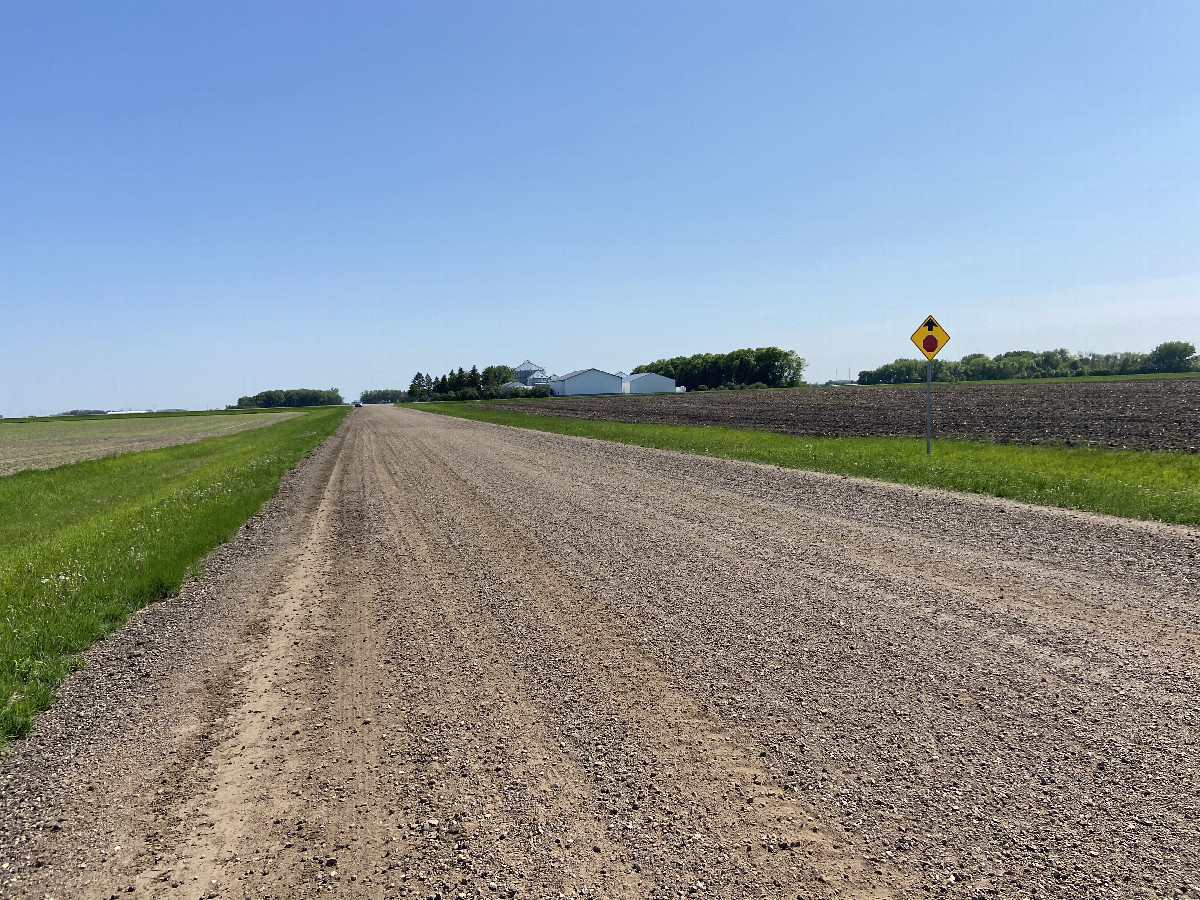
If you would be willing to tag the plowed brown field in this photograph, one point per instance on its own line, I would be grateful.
(1152, 414)
(454, 660)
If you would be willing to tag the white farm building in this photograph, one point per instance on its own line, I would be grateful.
(648, 383)
(584, 381)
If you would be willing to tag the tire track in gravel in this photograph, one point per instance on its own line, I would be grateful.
(1119, 611)
(1066, 604)
(110, 789)
(600, 669)
(510, 811)
(1028, 710)
(238, 803)
(1068, 628)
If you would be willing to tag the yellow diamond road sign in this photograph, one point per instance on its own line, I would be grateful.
(930, 338)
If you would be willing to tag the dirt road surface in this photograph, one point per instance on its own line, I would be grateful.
(458, 660)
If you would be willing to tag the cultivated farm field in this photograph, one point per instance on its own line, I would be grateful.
(1159, 414)
(55, 441)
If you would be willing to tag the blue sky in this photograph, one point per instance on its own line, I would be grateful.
(202, 200)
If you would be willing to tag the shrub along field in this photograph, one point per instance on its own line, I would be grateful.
(1159, 414)
(1143, 485)
(84, 545)
(44, 443)
(1169, 357)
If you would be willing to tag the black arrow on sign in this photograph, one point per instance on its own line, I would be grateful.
(930, 324)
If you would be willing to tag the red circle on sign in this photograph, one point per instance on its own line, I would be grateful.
(930, 343)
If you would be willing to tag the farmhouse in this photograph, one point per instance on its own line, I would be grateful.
(584, 381)
(648, 383)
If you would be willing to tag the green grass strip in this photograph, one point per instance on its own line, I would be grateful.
(1140, 485)
(84, 545)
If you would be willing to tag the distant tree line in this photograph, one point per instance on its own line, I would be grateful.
(393, 395)
(291, 397)
(1172, 356)
(84, 412)
(767, 367)
(461, 384)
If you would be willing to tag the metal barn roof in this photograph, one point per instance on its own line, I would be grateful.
(580, 372)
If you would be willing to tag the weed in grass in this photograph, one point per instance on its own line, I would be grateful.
(1144, 485)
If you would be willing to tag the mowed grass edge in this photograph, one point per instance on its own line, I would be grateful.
(1155, 485)
(84, 545)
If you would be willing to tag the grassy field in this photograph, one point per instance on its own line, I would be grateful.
(84, 545)
(163, 414)
(50, 442)
(1142, 485)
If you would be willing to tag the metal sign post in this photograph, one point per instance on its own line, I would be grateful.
(928, 406)
(930, 338)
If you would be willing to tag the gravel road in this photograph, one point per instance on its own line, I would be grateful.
(452, 660)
